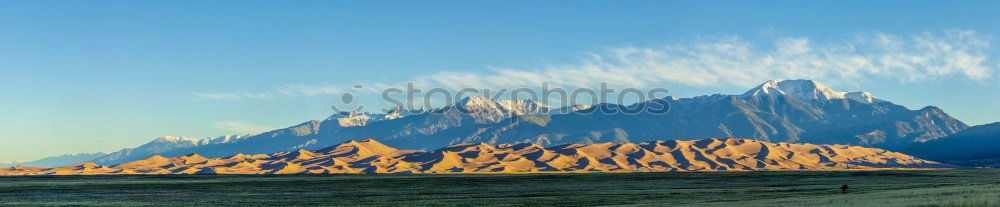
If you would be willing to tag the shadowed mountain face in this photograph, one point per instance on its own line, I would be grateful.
(795, 111)
(370, 156)
(974, 146)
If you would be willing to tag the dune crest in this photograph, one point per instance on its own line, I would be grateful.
(370, 156)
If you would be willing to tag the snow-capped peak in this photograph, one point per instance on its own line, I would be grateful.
(807, 91)
(355, 118)
(400, 112)
(482, 103)
(173, 139)
(352, 119)
(484, 109)
(195, 141)
(220, 139)
(863, 97)
(569, 109)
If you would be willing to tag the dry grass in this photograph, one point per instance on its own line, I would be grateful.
(868, 188)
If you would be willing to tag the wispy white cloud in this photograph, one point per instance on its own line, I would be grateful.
(241, 127)
(724, 61)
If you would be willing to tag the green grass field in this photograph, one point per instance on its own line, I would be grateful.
(868, 188)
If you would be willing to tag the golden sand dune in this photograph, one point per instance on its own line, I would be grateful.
(370, 156)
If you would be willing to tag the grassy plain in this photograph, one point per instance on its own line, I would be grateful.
(980, 187)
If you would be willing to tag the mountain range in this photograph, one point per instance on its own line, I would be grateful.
(162, 145)
(792, 111)
(60, 160)
(370, 156)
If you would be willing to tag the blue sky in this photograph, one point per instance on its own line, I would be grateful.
(80, 76)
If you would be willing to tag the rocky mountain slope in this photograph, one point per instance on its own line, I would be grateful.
(794, 111)
(370, 156)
